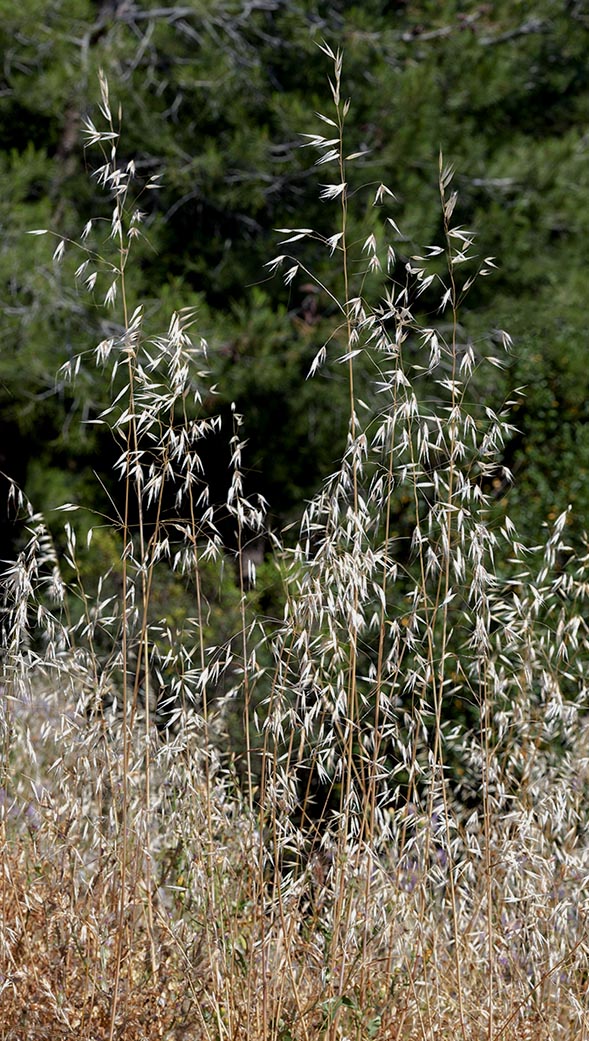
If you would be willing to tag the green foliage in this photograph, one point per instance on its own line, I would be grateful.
(216, 101)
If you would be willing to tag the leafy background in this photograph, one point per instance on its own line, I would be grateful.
(215, 97)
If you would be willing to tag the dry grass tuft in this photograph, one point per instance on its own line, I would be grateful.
(58, 953)
(399, 848)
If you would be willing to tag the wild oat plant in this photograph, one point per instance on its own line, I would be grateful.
(398, 847)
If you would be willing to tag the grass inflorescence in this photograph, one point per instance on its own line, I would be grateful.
(365, 818)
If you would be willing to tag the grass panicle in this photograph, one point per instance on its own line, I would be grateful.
(366, 818)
